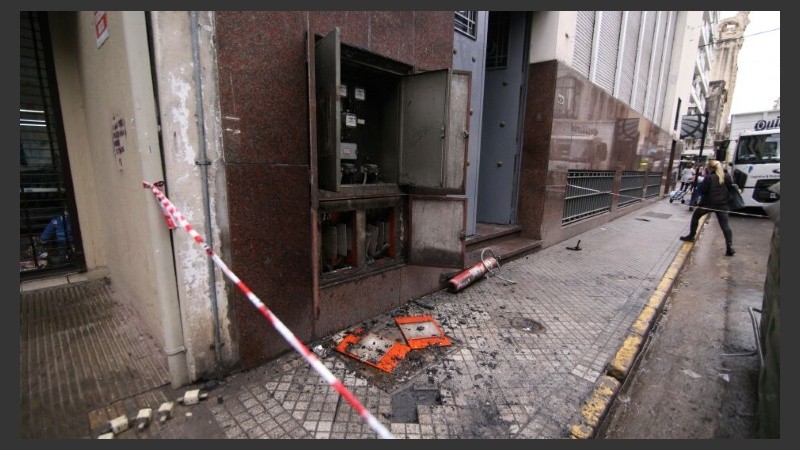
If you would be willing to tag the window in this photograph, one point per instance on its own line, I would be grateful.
(497, 40)
(465, 23)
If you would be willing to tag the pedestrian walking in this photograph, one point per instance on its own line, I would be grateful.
(687, 177)
(700, 175)
(713, 194)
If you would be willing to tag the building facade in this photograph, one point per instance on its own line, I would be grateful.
(343, 163)
(729, 41)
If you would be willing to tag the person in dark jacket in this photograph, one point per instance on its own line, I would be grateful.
(714, 197)
(57, 238)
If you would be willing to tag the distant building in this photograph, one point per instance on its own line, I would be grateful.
(702, 87)
(730, 32)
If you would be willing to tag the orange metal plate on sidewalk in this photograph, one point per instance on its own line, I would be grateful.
(372, 349)
(422, 331)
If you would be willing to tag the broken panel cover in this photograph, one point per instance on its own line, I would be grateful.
(372, 349)
(422, 331)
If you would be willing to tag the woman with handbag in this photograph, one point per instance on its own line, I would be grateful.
(714, 196)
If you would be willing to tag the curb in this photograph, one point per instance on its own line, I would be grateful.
(608, 384)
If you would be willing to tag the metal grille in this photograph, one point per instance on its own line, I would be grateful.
(607, 50)
(655, 66)
(653, 187)
(584, 35)
(466, 23)
(497, 40)
(588, 194)
(662, 90)
(630, 43)
(631, 187)
(47, 237)
(643, 68)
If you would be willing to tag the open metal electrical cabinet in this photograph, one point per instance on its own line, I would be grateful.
(391, 148)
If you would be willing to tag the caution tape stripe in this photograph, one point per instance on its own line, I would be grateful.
(173, 214)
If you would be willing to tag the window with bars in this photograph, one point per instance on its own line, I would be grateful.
(466, 23)
(497, 40)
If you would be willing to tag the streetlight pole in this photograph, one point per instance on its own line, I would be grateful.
(699, 159)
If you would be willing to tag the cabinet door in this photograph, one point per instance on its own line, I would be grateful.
(437, 230)
(434, 120)
(327, 77)
(423, 114)
(457, 145)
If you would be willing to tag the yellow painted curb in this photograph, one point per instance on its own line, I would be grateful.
(623, 360)
(607, 385)
(595, 407)
(656, 300)
(580, 432)
(645, 321)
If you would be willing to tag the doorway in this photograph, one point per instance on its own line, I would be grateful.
(49, 236)
(494, 46)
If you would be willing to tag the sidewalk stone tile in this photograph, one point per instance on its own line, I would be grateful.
(500, 381)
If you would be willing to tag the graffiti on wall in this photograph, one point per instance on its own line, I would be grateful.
(118, 138)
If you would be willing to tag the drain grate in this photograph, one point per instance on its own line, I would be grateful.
(525, 324)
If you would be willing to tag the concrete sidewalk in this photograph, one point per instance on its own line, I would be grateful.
(539, 358)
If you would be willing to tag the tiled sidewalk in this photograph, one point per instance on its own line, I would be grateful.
(525, 356)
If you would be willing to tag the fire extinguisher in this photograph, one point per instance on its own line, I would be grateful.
(468, 276)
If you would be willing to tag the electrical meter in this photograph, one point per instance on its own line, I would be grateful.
(348, 150)
(360, 93)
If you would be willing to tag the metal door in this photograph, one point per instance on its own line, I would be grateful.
(504, 87)
(327, 75)
(434, 145)
(469, 50)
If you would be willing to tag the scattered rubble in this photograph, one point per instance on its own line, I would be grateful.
(165, 411)
(193, 397)
(119, 424)
(143, 418)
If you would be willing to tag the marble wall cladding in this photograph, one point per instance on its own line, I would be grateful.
(270, 251)
(594, 131)
(572, 124)
(263, 88)
(354, 25)
(433, 39)
(535, 179)
(263, 85)
(391, 34)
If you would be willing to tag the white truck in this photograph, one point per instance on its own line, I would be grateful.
(754, 155)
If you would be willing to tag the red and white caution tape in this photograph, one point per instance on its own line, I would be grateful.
(174, 216)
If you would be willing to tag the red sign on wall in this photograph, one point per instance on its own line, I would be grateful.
(100, 27)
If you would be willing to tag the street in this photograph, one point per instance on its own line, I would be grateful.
(697, 377)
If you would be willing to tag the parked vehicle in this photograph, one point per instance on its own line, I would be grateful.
(754, 155)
